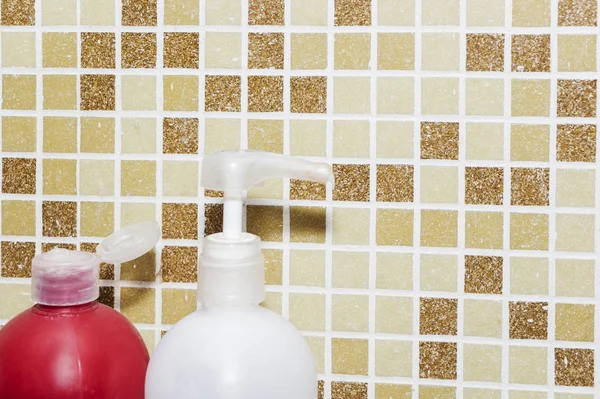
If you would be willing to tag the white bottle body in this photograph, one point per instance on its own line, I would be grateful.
(229, 352)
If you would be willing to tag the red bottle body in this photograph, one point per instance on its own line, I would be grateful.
(85, 351)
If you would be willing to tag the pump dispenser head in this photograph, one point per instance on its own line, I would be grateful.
(232, 265)
(62, 277)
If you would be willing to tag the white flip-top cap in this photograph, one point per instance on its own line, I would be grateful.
(62, 277)
(231, 264)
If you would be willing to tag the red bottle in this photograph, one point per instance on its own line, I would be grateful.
(68, 346)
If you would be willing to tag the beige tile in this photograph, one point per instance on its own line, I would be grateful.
(60, 134)
(482, 363)
(485, 12)
(351, 139)
(96, 177)
(309, 12)
(575, 322)
(393, 315)
(576, 53)
(350, 226)
(433, 392)
(440, 51)
(176, 304)
(350, 269)
(484, 230)
(529, 142)
(529, 231)
(580, 182)
(352, 51)
(387, 391)
(307, 137)
(485, 97)
(439, 96)
(440, 12)
(528, 365)
(60, 177)
(395, 95)
(395, 51)
(439, 273)
(485, 141)
(221, 134)
(59, 12)
(15, 299)
(223, 12)
(138, 304)
(273, 302)
(349, 356)
(309, 51)
(396, 13)
(481, 393)
(395, 139)
(307, 224)
(138, 135)
(530, 97)
(575, 233)
(394, 271)
(138, 178)
(180, 178)
(439, 184)
(223, 50)
(317, 346)
(531, 13)
(394, 227)
(307, 268)
(307, 311)
(575, 278)
(182, 12)
(393, 358)
(350, 313)
(180, 93)
(482, 318)
(97, 12)
(351, 95)
(60, 92)
(138, 93)
(439, 228)
(18, 49)
(97, 219)
(19, 133)
(528, 276)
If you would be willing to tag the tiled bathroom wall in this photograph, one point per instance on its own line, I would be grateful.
(454, 258)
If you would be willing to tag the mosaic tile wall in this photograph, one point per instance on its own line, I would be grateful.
(455, 257)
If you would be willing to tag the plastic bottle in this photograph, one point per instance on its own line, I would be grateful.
(231, 348)
(68, 346)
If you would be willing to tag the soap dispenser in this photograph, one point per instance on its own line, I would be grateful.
(231, 348)
(69, 346)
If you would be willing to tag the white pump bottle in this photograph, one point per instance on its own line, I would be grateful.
(231, 348)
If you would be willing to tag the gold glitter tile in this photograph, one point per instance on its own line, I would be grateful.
(574, 367)
(351, 183)
(438, 316)
(349, 390)
(395, 183)
(18, 175)
(576, 98)
(528, 320)
(138, 50)
(485, 52)
(97, 92)
(530, 53)
(181, 50)
(107, 270)
(213, 218)
(265, 93)
(97, 50)
(16, 258)
(439, 140)
(437, 360)
(306, 190)
(576, 143)
(139, 13)
(17, 12)
(180, 221)
(484, 186)
(180, 136)
(180, 264)
(530, 186)
(222, 94)
(307, 224)
(349, 356)
(308, 94)
(352, 13)
(266, 12)
(107, 296)
(321, 389)
(483, 274)
(265, 222)
(577, 12)
(265, 50)
(574, 322)
(59, 219)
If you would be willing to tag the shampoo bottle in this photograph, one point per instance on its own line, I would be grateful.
(68, 346)
(231, 348)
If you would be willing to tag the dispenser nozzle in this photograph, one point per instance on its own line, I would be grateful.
(235, 172)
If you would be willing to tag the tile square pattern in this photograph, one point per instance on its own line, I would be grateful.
(454, 257)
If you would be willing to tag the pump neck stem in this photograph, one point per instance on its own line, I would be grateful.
(232, 215)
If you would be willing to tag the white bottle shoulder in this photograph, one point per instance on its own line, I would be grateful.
(232, 353)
